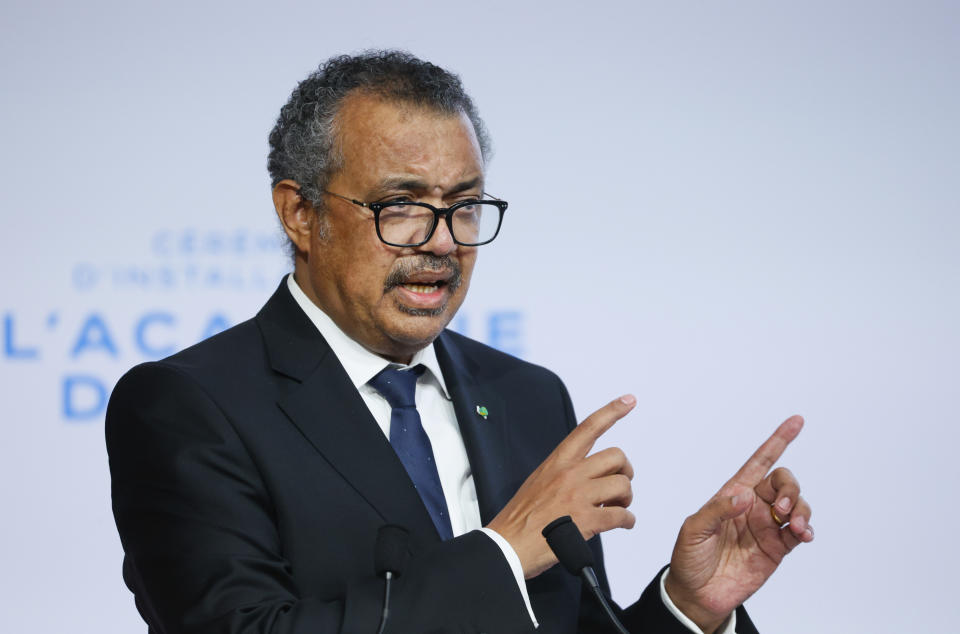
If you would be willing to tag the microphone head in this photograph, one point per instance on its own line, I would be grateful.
(568, 545)
(390, 552)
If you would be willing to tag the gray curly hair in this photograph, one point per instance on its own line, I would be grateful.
(303, 143)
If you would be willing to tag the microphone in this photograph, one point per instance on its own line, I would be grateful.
(571, 549)
(389, 558)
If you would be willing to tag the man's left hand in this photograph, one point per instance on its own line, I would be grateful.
(728, 549)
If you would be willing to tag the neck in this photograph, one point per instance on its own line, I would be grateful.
(394, 354)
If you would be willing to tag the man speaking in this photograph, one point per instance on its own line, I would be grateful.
(253, 471)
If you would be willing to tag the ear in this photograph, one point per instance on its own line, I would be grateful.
(295, 212)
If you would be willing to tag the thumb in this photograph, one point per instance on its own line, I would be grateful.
(725, 505)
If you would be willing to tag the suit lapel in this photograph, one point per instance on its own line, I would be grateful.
(484, 437)
(331, 415)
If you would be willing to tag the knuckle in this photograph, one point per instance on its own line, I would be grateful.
(791, 489)
(569, 476)
(784, 475)
(566, 451)
(615, 517)
(766, 462)
(590, 423)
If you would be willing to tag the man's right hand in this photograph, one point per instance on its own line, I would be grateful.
(595, 491)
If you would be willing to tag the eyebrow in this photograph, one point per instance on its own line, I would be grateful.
(413, 184)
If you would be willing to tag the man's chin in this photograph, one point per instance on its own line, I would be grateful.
(413, 326)
(418, 326)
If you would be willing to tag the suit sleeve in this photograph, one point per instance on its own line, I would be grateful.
(648, 613)
(202, 548)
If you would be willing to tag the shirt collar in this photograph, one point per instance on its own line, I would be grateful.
(361, 364)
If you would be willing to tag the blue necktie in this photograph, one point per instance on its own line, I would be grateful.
(411, 442)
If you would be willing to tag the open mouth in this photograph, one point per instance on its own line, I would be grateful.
(424, 298)
(424, 285)
(424, 288)
(425, 277)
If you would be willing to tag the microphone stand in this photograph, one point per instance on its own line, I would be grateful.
(389, 558)
(575, 555)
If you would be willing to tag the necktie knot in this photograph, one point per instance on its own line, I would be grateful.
(399, 387)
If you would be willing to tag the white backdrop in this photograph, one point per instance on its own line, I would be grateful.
(737, 211)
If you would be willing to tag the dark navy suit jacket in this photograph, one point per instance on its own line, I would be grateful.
(250, 480)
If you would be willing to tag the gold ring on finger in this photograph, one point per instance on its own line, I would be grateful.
(776, 518)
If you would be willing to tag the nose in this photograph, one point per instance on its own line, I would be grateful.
(441, 242)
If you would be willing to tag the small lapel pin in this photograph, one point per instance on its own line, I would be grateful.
(482, 411)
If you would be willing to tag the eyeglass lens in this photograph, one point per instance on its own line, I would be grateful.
(407, 224)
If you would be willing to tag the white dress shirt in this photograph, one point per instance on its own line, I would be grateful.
(440, 423)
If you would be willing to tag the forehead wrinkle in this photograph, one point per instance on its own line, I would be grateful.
(414, 149)
(408, 183)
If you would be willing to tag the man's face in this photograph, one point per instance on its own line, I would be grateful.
(394, 300)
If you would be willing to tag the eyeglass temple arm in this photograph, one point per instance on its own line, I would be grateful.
(354, 201)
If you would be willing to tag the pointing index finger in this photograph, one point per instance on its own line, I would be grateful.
(580, 440)
(763, 459)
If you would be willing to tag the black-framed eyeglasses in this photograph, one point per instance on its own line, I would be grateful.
(403, 223)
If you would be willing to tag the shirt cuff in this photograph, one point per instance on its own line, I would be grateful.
(517, 569)
(729, 628)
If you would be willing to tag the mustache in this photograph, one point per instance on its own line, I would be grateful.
(428, 263)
